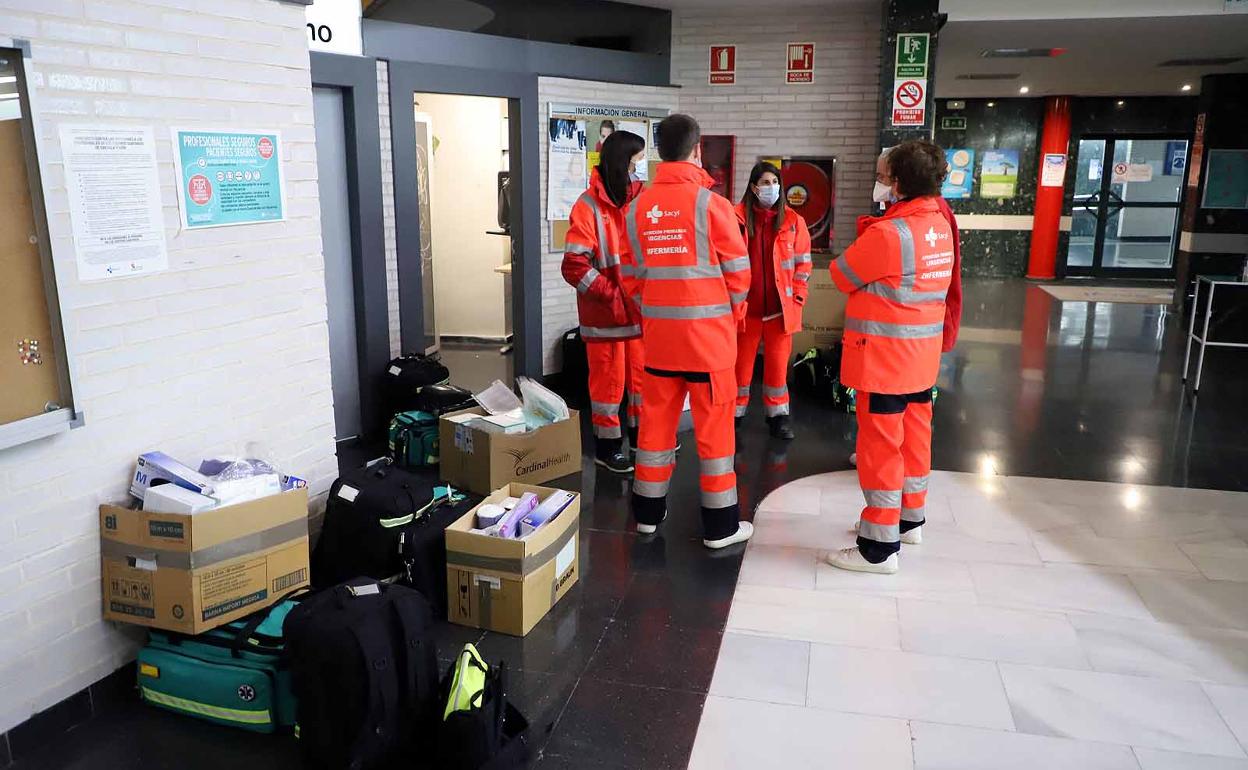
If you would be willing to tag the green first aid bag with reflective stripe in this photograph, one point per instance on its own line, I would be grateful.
(233, 675)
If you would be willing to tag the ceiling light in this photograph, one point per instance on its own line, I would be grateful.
(1186, 87)
(1024, 89)
(992, 104)
(1121, 102)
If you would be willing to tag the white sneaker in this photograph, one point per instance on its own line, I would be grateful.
(853, 459)
(852, 559)
(911, 537)
(745, 530)
(650, 529)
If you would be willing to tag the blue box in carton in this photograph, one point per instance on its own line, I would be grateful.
(155, 468)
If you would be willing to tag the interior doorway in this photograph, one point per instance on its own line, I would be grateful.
(463, 174)
(1125, 219)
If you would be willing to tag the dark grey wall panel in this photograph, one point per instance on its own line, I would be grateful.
(357, 76)
(408, 42)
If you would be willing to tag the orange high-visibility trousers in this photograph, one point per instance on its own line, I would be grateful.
(615, 367)
(894, 462)
(711, 401)
(777, 349)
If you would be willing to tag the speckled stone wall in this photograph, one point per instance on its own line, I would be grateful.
(1006, 124)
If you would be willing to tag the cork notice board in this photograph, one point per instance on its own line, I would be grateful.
(28, 367)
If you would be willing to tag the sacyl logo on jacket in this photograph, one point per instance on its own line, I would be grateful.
(655, 214)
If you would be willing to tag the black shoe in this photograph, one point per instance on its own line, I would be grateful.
(616, 462)
(781, 427)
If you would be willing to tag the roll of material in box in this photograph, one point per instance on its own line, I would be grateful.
(489, 514)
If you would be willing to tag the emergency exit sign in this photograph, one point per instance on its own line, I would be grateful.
(956, 123)
(912, 48)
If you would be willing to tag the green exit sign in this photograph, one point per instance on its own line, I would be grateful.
(953, 124)
(912, 49)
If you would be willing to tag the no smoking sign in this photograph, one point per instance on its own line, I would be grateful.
(909, 101)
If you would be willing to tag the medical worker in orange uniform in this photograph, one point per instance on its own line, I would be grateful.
(687, 268)
(610, 322)
(897, 274)
(780, 267)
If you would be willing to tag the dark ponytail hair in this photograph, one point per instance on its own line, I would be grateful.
(617, 152)
(750, 199)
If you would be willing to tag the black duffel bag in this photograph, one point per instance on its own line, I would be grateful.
(385, 522)
(407, 375)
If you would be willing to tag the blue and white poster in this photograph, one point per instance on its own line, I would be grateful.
(961, 176)
(229, 177)
(998, 174)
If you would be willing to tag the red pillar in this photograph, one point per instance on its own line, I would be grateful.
(1055, 138)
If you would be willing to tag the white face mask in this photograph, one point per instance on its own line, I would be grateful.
(768, 194)
(882, 193)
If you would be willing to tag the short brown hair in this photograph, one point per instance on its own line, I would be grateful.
(918, 168)
(678, 135)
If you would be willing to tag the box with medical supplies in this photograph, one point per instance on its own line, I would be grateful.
(202, 548)
(505, 439)
(505, 576)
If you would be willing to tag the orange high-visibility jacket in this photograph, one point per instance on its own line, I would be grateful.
(686, 266)
(896, 275)
(791, 255)
(591, 263)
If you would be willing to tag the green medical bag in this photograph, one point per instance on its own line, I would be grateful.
(414, 440)
(233, 675)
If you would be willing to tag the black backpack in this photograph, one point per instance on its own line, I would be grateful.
(489, 736)
(574, 379)
(372, 528)
(441, 399)
(407, 375)
(364, 672)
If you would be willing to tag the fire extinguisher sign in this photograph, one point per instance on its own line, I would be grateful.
(723, 69)
(799, 63)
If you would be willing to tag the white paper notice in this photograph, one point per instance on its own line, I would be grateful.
(565, 167)
(114, 200)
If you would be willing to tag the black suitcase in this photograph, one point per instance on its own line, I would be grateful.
(574, 380)
(371, 529)
(407, 375)
(364, 673)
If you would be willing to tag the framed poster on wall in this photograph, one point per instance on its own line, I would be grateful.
(810, 189)
(718, 154)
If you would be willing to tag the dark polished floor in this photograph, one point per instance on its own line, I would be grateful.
(616, 675)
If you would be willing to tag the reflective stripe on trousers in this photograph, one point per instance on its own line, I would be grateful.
(715, 471)
(653, 470)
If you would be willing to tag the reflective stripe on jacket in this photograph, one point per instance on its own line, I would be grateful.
(687, 269)
(896, 274)
(591, 264)
(791, 260)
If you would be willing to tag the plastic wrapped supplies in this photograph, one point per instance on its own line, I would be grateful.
(542, 406)
(498, 398)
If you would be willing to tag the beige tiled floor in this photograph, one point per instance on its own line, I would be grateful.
(1042, 624)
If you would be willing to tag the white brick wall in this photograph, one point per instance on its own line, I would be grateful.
(228, 346)
(836, 115)
(558, 298)
(387, 205)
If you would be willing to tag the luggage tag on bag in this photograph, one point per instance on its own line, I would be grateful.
(368, 590)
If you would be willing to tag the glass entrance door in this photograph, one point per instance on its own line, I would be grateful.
(1126, 206)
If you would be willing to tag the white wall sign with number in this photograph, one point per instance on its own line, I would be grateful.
(333, 26)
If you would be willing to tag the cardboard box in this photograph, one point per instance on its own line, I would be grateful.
(823, 317)
(508, 585)
(190, 572)
(479, 461)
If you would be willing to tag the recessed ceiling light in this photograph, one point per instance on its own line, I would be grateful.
(1121, 102)
(1024, 89)
(1186, 87)
(992, 104)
